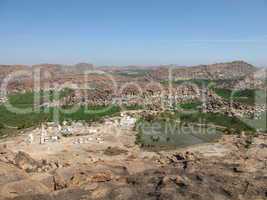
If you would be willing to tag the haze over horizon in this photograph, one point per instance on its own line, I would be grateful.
(133, 32)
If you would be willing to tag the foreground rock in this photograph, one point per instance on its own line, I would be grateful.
(234, 168)
(25, 162)
(22, 188)
(10, 173)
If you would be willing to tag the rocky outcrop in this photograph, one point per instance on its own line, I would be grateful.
(25, 162)
(23, 187)
(231, 70)
(10, 173)
(234, 168)
(6, 155)
(46, 179)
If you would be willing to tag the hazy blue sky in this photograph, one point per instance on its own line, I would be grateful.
(133, 31)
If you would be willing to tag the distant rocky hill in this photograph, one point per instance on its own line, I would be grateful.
(60, 74)
(58, 68)
(52, 68)
(7, 69)
(231, 70)
(81, 67)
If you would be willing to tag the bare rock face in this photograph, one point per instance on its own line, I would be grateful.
(6, 155)
(70, 194)
(26, 162)
(65, 194)
(32, 197)
(23, 187)
(9, 173)
(87, 176)
(232, 169)
(114, 151)
(44, 178)
(63, 176)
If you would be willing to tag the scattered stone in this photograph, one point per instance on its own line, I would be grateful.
(115, 151)
(26, 162)
(101, 177)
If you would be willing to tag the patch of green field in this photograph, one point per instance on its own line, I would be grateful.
(12, 120)
(224, 93)
(21, 121)
(190, 105)
(134, 107)
(26, 100)
(88, 113)
(216, 119)
(247, 96)
(203, 82)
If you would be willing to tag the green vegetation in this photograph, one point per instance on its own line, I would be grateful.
(11, 120)
(26, 100)
(134, 107)
(260, 123)
(21, 121)
(1, 125)
(191, 105)
(224, 93)
(247, 96)
(88, 113)
(216, 119)
(65, 92)
(171, 130)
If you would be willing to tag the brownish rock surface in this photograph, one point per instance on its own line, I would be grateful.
(10, 173)
(230, 169)
(23, 187)
(25, 162)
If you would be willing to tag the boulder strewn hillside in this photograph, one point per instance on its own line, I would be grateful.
(232, 70)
